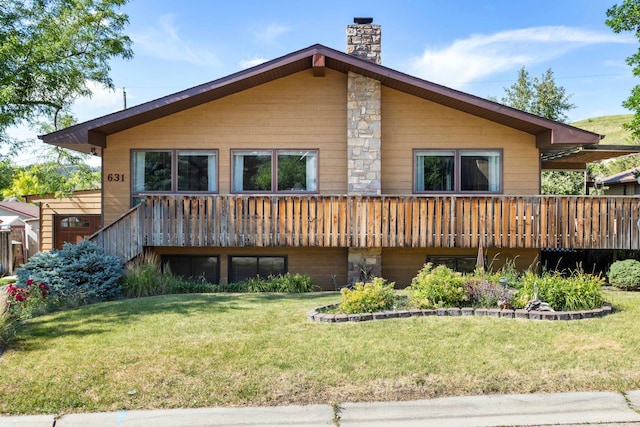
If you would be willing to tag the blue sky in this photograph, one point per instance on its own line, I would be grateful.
(476, 46)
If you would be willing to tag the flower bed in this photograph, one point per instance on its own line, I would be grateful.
(319, 315)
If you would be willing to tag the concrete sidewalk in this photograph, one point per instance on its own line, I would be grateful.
(559, 409)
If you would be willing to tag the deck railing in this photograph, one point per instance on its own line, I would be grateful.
(579, 222)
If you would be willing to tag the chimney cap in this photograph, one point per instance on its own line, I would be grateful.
(362, 20)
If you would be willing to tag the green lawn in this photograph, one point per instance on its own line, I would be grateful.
(259, 349)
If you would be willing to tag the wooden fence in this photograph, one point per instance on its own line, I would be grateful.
(378, 221)
(6, 258)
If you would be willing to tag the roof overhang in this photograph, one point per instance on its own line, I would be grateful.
(91, 136)
(578, 157)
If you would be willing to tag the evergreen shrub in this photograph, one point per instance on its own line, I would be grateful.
(76, 274)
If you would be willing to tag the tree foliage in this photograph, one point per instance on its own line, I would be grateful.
(542, 97)
(50, 50)
(539, 96)
(622, 18)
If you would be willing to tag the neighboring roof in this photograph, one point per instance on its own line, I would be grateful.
(34, 198)
(90, 136)
(21, 208)
(623, 177)
(8, 221)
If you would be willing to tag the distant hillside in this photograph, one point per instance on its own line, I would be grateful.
(611, 126)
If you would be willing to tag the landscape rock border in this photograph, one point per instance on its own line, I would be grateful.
(318, 316)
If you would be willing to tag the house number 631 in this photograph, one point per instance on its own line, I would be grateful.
(115, 177)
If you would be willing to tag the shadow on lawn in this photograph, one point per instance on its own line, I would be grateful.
(103, 318)
(96, 319)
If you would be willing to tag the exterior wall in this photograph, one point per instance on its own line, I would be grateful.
(82, 202)
(628, 189)
(319, 263)
(413, 123)
(401, 265)
(299, 111)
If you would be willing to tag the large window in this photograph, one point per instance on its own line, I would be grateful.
(281, 171)
(458, 171)
(173, 171)
(194, 267)
(244, 267)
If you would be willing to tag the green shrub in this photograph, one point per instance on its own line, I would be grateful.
(285, 283)
(145, 277)
(579, 291)
(76, 274)
(437, 287)
(376, 295)
(625, 275)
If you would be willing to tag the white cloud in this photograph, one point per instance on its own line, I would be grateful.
(481, 55)
(248, 63)
(104, 101)
(271, 33)
(166, 43)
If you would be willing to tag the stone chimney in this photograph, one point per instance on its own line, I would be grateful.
(364, 137)
(364, 40)
(363, 112)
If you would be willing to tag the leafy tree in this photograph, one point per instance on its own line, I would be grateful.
(50, 50)
(541, 96)
(626, 17)
(52, 177)
(7, 173)
(563, 182)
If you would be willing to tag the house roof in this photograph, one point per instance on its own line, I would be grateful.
(623, 177)
(22, 209)
(10, 220)
(90, 136)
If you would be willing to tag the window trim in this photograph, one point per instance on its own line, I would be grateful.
(174, 170)
(274, 170)
(457, 177)
(230, 266)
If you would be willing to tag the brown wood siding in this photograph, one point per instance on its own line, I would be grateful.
(409, 123)
(319, 263)
(299, 111)
(402, 265)
(80, 203)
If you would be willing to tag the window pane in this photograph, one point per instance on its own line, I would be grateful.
(252, 171)
(243, 267)
(196, 171)
(297, 171)
(270, 266)
(480, 171)
(435, 170)
(75, 222)
(193, 266)
(152, 171)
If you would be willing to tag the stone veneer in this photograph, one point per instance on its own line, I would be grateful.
(365, 42)
(363, 135)
(364, 160)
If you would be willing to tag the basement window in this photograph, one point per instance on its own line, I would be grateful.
(193, 267)
(245, 267)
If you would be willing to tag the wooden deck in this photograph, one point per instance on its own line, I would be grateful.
(578, 222)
